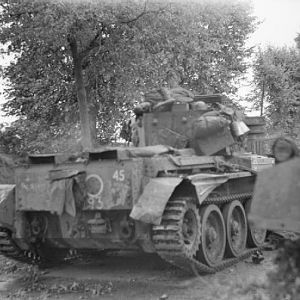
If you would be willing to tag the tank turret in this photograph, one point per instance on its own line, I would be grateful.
(205, 124)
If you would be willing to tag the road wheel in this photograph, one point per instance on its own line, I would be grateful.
(256, 236)
(213, 236)
(236, 228)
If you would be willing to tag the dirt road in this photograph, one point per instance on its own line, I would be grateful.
(132, 276)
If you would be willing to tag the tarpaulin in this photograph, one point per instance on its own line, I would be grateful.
(276, 201)
(7, 203)
(47, 191)
(62, 197)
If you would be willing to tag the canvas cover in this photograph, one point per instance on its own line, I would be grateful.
(276, 201)
(7, 202)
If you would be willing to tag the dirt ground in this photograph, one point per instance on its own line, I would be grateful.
(132, 276)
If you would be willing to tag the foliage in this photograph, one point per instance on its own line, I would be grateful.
(17, 139)
(277, 86)
(123, 49)
(297, 40)
(7, 165)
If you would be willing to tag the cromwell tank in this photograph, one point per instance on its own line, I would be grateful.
(184, 195)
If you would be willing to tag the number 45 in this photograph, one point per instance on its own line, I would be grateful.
(119, 175)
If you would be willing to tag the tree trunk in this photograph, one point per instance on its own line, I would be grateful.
(92, 111)
(262, 98)
(86, 136)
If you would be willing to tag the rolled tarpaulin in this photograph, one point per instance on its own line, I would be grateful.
(209, 125)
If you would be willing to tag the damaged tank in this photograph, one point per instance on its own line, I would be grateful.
(184, 195)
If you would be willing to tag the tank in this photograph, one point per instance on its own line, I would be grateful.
(184, 195)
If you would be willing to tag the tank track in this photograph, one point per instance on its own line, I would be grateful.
(9, 249)
(165, 238)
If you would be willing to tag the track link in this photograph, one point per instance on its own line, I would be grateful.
(168, 246)
(8, 248)
(228, 198)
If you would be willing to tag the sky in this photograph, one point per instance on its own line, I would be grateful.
(280, 25)
(281, 22)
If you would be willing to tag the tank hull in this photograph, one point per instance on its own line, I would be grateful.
(115, 199)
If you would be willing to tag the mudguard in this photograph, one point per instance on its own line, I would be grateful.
(7, 205)
(206, 183)
(151, 204)
(276, 201)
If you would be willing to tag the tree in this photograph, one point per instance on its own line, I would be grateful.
(297, 40)
(110, 52)
(79, 31)
(277, 89)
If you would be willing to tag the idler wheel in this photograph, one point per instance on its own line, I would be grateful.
(213, 236)
(236, 228)
(256, 236)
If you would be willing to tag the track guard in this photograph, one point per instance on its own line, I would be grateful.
(151, 204)
(206, 183)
